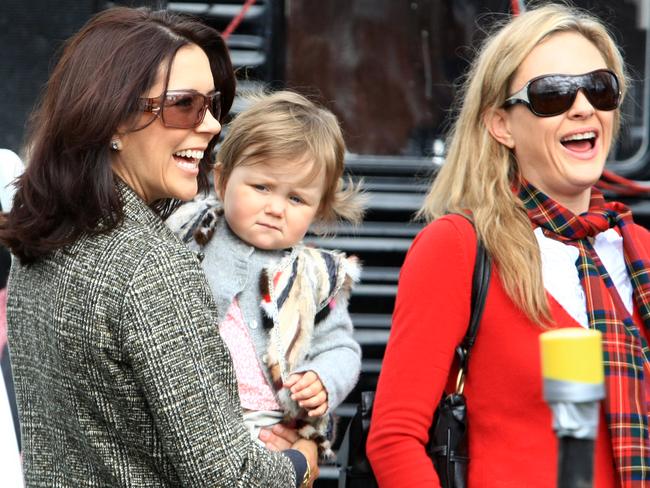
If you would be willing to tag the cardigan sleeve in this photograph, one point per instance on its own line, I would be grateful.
(430, 319)
(171, 342)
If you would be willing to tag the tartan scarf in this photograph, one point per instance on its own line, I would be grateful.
(625, 351)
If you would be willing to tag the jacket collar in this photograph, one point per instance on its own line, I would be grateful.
(137, 210)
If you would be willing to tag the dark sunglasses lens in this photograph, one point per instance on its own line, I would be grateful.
(551, 95)
(602, 90)
(183, 111)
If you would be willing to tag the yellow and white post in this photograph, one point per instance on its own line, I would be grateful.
(572, 368)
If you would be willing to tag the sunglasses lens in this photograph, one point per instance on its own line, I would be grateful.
(554, 94)
(602, 90)
(187, 110)
(551, 95)
(183, 110)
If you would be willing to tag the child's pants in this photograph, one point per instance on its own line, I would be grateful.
(255, 420)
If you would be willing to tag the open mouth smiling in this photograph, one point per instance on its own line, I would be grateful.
(188, 158)
(580, 141)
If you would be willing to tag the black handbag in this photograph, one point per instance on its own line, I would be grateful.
(447, 446)
(355, 470)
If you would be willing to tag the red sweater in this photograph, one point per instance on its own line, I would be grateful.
(511, 441)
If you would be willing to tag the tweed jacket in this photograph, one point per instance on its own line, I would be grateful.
(233, 269)
(121, 377)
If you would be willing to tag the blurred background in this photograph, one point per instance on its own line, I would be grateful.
(389, 69)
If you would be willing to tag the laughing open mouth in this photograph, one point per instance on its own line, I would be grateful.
(580, 142)
(188, 158)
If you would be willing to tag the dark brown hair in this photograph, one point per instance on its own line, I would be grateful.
(68, 187)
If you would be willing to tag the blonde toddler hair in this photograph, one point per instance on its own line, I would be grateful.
(286, 125)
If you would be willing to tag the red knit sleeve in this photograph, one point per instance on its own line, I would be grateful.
(430, 319)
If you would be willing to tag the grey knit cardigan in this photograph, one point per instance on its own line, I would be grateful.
(121, 377)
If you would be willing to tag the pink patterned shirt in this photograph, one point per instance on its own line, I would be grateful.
(254, 391)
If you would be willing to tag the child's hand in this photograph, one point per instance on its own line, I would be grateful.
(308, 390)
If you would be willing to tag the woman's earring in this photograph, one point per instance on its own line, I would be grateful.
(116, 144)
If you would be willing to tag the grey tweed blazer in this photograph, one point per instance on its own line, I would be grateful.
(121, 377)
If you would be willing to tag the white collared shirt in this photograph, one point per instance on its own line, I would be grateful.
(560, 274)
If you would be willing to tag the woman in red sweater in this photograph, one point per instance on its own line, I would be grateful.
(539, 111)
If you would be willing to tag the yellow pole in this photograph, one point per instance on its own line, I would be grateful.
(572, 367)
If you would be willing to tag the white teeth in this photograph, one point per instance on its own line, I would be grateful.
(189, 153)
(580, 137)
(190, 166)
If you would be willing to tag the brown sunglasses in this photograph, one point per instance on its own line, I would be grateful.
(182, 109)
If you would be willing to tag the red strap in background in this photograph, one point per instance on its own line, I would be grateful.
(514, 6)
(610, 181)
(234, 23)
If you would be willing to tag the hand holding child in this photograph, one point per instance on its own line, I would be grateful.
(278, 437)
(308, 390)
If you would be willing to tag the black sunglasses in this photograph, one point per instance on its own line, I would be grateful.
(550, 95)
(182, 109)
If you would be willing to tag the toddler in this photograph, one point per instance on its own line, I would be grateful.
(283, 305)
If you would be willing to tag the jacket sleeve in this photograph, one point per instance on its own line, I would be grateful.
(335, 355)
(430, 318)
(170, 339)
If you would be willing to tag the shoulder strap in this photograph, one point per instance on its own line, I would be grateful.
(480, 284)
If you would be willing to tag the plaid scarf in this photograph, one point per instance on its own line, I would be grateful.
(625, 351)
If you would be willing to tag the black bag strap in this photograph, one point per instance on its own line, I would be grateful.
(480, 284)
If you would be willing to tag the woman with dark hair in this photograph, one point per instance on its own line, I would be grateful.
(121, 376)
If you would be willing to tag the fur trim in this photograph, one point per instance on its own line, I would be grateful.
(322, 429)
(294, 292)
(322, 432)
(205, 230)
(352, 268)
(194, 222)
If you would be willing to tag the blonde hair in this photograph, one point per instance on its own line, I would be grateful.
(479, 171)
(286, 125)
